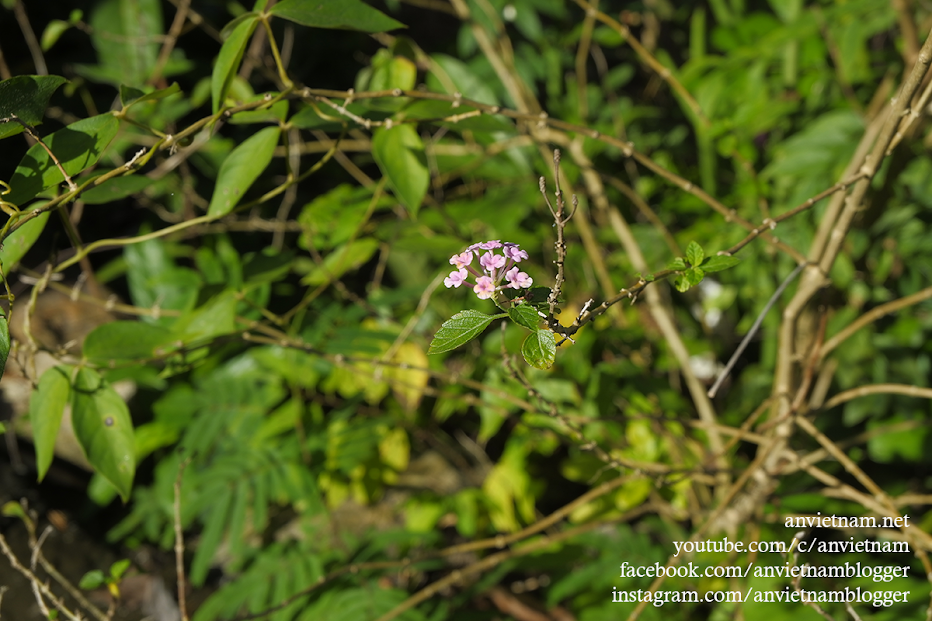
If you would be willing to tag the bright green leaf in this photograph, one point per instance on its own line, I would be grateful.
(26, 96)
(94, 579)
(694, 275)
(718, 263)
(21, 240)
(694, 253)
(399, 153)
(677, 264)
(124, 340)
(119, 568)
(46, 407)
(343, 259)
(130, 96)
(459, 329)
(127, 37)
(240, 170)
(216, 317)
(231, 53)
(77, 147)
(539, 349)
(339, 14)
(104, 429)
(525, 315)
(53, 31)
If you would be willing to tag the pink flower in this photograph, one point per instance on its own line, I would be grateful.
(513, 252)
(517, 279)
(488, 245)
(484, 288)
(490, 261)
(461, 260)
(455, 279)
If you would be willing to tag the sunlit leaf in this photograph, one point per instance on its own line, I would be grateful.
(718, 263)
(241, 168)
(540, 349)
(459, 329)
(694, 253)
(525, 315)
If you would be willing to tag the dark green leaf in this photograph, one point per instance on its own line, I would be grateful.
(267, 266)
(340, 14)
(21, 240)
(213, 534)
(46, 406)
(124, 340)
(104, 429)
(231, 53)
(77, 147)
(525, 315)
(26, 96)
(130, 96)
(540, 349)
(94, 579)
(718, 263)
(241, 168)
(399, 152)
(115, 189)
(694, 253)
(459, 329)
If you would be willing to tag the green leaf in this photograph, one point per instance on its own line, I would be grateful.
(459, 329)
(46, 407)
(338, 14)
(127, 36)
(216, 317)
(718, 263)
(53, 31)
(694, 254)
(540, 349)
(115, 189)
(525, 315)
(130, 96)
(681, 283)
(677, 264)
(124, 340)
(154, 278)
(399, 153)
(104, 429)
(4, 342)
(21, 240)
(343, 259)
(241, 168)
(274, 114)
(694, 275)
(94, 579)
(77, 147)
(231, 53)
(119, 568)
(26, 96)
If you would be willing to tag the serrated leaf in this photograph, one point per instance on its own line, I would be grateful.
(694, 253)
(231, 53)
(240, 170)
(694, 275)
(94, 579)
(460, 329)
(46, 407)
(26, 96)
(339, 14)
(77, 147)
(681, 283)
(718, 263)
(399, 153)
(124, 340)
(525, 315)
(540, 349)
(104, 429)
(677, 264)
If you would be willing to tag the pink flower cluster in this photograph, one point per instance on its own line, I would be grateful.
(495, 268)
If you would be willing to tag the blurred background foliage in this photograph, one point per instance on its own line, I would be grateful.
(277, 333)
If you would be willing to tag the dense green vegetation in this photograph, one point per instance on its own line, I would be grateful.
(267, 199)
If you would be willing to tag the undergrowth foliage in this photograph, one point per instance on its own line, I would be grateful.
(268, 208)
